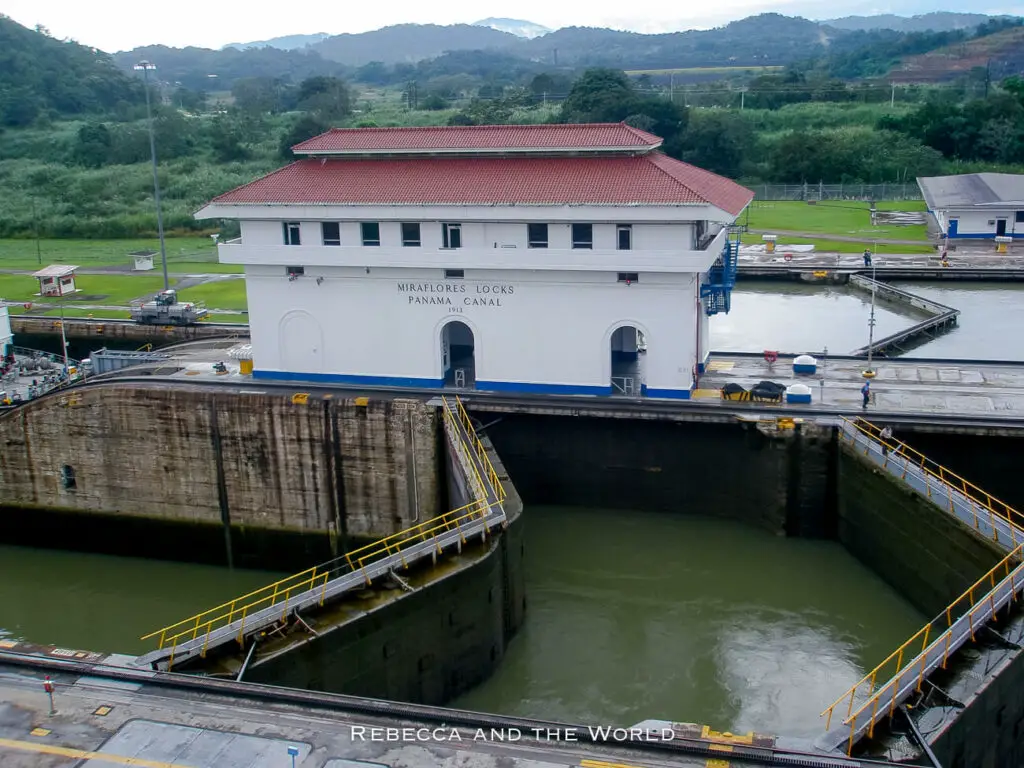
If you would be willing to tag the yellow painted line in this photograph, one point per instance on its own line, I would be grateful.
(81, 754)
(698, 393)
(602, 764)
(717, 764)
(720, 747)
(721, 365)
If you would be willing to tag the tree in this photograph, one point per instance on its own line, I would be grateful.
(226, 140)
(719, 141)
(306, 127)
(599, 96)
(92, 145)
(326, 97)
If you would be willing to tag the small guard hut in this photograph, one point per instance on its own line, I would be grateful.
(56, 280)
(142, 261)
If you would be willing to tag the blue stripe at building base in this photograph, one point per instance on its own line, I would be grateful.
(669, 394)
(346, 378)
(533, 388)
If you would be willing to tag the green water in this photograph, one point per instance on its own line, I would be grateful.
(638, 615)
(106, 603)
(630, 616)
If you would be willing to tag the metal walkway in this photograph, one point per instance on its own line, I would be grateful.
(243, 616)
(904, 671)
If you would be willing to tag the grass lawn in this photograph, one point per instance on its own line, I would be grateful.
(93, 289)
(226, 318)
(184, 254)
(222, 294)
(836, 246)
(99, 314)
(839, 217)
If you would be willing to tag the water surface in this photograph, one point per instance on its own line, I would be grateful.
(637, 615)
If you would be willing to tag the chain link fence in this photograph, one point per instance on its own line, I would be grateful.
(822, 191)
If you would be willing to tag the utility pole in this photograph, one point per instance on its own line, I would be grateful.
(672, 87)
(892, 98)
(988, 76)
(145, 66)
(35, 227)
(743, 98)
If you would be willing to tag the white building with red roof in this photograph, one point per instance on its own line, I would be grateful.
(563, 259)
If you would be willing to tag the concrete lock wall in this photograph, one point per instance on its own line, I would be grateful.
(426, 646)
(781, 482)
(248, 462)
(928, 556)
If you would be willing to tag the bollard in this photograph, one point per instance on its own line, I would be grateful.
(48, 687)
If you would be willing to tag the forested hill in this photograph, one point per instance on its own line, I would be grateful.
(39, 74)
(202, 69)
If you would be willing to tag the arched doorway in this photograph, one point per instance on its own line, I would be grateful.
(301, 343)
(628, 349)
(458, 355)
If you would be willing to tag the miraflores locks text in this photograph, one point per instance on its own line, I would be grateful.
(457, 295)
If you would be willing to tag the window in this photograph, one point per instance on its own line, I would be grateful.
(291, 233)
(536, 235)
(629, 277)
(67, 477)
(582, 235)
(451, 235)
(1018, 217)
(454, 274)
(331, 232)
(371, 232)
(411, 235)
(294, 272)
(624, 237)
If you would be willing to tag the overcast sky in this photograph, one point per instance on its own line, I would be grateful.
(114, 25)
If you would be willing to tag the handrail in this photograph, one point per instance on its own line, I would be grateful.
(989, 580)
(945, 476)
(357, 560)
(281, 591)
(461, 415)
(937, 641)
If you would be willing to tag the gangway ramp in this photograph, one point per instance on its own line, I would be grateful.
(313, 588)
(878, 695)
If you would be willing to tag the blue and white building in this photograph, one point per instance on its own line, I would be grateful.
(980, 206)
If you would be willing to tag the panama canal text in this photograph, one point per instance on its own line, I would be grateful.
(456, 295)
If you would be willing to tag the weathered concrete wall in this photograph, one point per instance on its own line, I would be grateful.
(733, 471)
(27, 326)
(428, 646)
(195, 456)
(925, 554)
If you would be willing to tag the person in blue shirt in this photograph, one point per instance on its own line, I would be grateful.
(865, 392)
(867, 257)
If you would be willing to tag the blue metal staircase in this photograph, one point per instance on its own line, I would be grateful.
(716, 293)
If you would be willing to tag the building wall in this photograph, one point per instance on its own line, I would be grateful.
(532, 332)
(239, 462)
(975, 223)
(491, 234)
(5, 327)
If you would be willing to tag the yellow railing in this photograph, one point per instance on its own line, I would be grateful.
(280, 592)
(983, 499)
(459, 414)
(934, 632)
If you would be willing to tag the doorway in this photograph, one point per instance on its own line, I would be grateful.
(458, 355)
(628, 350)
(1000, 227)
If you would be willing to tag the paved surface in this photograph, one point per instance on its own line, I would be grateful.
(905, 386)
(838, 238)
(100, 722)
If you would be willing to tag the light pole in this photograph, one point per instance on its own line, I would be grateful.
(63, 334)
(869, 372)
(145, 66)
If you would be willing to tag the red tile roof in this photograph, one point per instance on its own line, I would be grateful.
(650, 179)
(479, 138)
